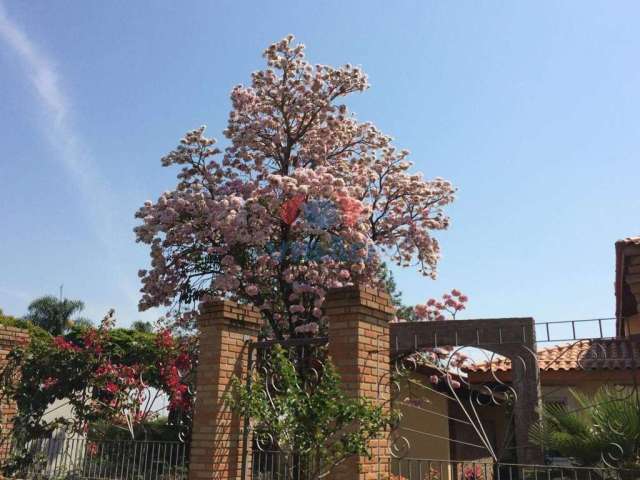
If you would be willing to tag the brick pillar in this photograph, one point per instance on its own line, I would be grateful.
(526, 409)
(359, 347)
(226, 330)
(10, 337)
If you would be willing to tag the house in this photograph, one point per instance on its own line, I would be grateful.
(474, 421)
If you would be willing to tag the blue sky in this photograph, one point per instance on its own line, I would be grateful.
(530, 108)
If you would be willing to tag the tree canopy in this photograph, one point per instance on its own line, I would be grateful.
(304, 198)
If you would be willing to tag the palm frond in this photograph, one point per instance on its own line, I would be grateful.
(604, 427)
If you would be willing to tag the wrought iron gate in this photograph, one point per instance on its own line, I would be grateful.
(262, 457)
(470, 390)
(470, 394)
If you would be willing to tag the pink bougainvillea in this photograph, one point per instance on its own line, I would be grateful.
(304, 198)
(62, 344)
(473, 472)
(118, 376)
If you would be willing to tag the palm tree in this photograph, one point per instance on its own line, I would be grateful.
(142, 326)
(82, 322)
(603, 431)
(53, 314)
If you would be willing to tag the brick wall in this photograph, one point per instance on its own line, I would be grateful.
(9, 338)
(359, 347)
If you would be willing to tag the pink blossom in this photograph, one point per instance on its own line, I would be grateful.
(252, 290)
(49, 382)
(422, 311)
(438, 310)
(296, 308)
(351, 210)
(309, 328)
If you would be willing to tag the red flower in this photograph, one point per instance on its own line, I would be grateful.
(164, 339)
(105, 369)
(92, 448)
(111, 388)
(183, 362)
(291, 209)
(63, 344)
(92, 341)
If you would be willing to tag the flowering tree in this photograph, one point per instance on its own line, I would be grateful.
(445, 359)
(303, 198)
(445, 309)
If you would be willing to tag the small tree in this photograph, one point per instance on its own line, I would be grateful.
(305, 417)
(6, 318)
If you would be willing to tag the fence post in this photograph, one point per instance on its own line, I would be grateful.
(359, 347)
(226, 331)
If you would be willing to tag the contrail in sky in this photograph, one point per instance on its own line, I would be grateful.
(55, 108)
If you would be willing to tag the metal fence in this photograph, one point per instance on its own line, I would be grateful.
(274, 465)
(84, 459)
(423, 469)
(271, 465)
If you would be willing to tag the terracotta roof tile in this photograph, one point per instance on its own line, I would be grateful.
(614, 354)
